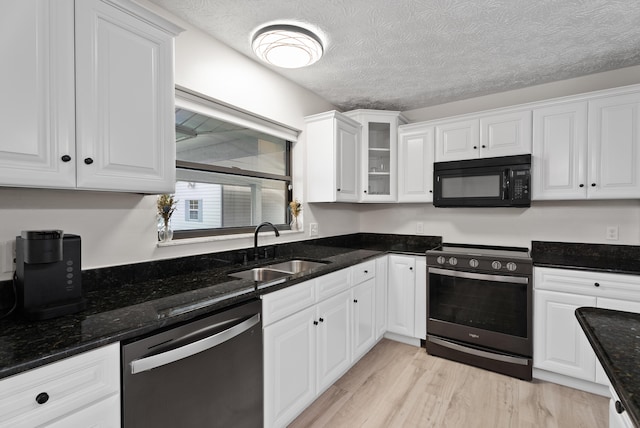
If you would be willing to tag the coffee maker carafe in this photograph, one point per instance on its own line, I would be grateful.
(48, 274)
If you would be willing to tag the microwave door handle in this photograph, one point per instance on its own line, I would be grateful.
(505, 184)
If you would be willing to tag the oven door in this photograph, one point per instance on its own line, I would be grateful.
(487, 311)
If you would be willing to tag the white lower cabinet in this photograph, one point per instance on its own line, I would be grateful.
(382, 267)
(289, 367)
(618, 417)
(83, 390)
(313, 333)
(559, 344)
(364, 334)
(401, 295)
(333, 318)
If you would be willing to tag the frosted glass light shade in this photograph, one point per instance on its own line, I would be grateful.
(287, 46)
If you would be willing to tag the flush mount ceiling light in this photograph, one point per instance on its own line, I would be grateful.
(287, 46)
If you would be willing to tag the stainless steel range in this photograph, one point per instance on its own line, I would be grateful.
(480, 307)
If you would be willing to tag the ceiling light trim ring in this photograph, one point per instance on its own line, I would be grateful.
(287, 46)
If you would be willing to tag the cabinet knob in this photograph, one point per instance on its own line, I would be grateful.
(366, 271)
(475, 147)
(315, 323)
(321, 319)
(338, 189)
(410, 268)
(597, 284)
(42, 398)
(65, 158)
(619, 407)
(365, 191)
(582, 185)
(430, 191)
(355, 300)
(88, 161)
(483, 146)
(593, 184)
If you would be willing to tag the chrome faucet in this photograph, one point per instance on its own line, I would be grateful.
(255, 237)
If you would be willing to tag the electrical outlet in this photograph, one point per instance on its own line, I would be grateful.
(7, 256)
(313, 229)
(612, 233)
(419, 228)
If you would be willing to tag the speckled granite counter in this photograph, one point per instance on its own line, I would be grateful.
(594, 257)
(615, 338)
(129, 301)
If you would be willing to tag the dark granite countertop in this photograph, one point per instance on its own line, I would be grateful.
(623, 259)
(125, 302)
(615, 338)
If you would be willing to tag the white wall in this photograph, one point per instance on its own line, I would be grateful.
(119, 228)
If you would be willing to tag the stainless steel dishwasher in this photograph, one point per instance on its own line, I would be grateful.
(205, 373)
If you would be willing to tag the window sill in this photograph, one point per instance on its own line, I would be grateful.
(219, 238)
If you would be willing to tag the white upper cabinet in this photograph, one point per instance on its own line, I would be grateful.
(91, 95)
(37, 112)
(560, 151)
(415, 163)
(457, 140)
(124, 99)
(503, 134)
(614, 147)
(378, 154)
(333, 144)
(588, 149)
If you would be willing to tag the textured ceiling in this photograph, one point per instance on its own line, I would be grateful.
(401, 55)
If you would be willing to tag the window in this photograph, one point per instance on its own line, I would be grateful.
(233, 170)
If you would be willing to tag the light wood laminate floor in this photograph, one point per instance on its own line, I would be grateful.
(397, 385)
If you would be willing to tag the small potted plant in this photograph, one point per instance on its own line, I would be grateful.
(166, 206)
(295, 207)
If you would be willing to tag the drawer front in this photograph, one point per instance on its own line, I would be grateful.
(608, 285)
(282, 303)
(364, 272)
(333, 283)
(70, 384)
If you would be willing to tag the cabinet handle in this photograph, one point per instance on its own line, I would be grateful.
(42, 398)
(315, 323)
(593, 184)
(66, 158)
(321, 319)
(619, 407)
(355, 300)
(597, 284)
(88, 161)
(582, 185)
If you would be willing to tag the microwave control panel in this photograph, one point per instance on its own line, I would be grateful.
(520, 181)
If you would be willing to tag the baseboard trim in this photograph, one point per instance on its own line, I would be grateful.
(582, 385)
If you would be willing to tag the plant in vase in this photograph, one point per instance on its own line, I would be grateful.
(295, 207)
(166, 206)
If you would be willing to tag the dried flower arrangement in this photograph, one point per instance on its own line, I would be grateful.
(166, 206)
(295, 207)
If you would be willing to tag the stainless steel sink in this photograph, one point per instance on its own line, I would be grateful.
(276, 271)
(261, 274)
(296, 266)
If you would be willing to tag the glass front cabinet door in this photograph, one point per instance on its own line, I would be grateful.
(379, 153)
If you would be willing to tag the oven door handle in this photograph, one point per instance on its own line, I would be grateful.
(480, 276)
(479, 353)
(164, 358)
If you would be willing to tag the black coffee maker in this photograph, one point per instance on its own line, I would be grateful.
(48, 274)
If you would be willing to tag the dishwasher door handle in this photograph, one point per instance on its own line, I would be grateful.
(154, 361)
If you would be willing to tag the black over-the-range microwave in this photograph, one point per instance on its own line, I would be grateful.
(490, 182)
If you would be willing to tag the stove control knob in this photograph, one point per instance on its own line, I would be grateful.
(511, 266)
(496, 265)
(474, 263)
(453, 261)
(441, 260)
